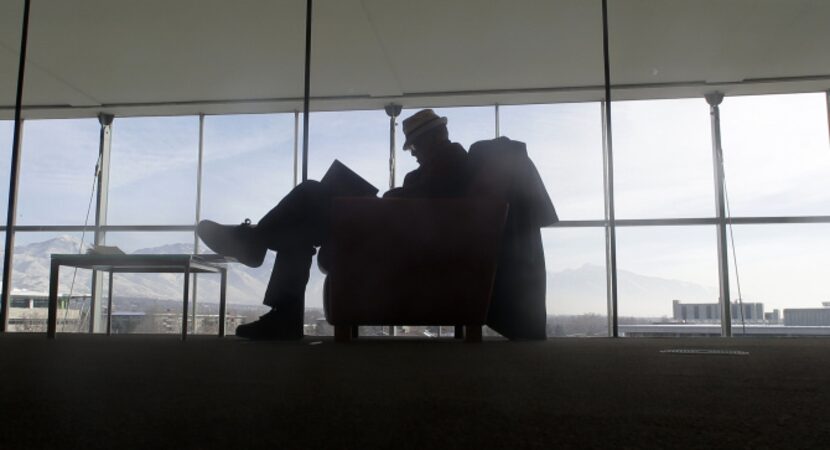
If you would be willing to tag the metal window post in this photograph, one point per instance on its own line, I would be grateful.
(496, 112)
(392, 110)
(307, 89)
(199, 170)
(714, 99)
(610, 225)
(296, 143)
(608, 182)
(96, 322)
(11, 213)
(11, 220)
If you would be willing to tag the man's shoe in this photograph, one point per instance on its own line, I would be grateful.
(270, 327)
(239, 242)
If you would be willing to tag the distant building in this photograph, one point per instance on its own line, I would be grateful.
(710, 312)
(808, 316)
(28, 311)
(126, 322)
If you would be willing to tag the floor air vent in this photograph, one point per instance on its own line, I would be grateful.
(700, 351)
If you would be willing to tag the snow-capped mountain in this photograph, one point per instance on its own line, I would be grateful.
(31, 266)
(576, 291)
(571, 291)
(245, 285)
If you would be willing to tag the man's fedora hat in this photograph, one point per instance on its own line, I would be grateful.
(419, 123)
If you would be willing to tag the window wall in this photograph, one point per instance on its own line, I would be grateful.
(666, 229)
(777, 162)
(358, 139)
(152, 182)
(57, 164)
(6, 137)
(663, 170)
(565, 143)
(776, 158)
(248, 166)
(30, 283)
(153, 171)
(659, 264)
(783, 266)
(56, 178)
(666, 239)
(662, 159)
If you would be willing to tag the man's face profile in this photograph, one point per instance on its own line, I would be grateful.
(414, 150)
(420, 149)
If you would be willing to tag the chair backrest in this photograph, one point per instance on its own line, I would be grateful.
(407, 261)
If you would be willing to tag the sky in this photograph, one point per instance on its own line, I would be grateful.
(776, 157)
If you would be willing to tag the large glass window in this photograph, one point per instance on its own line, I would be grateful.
(150, 302)
(248, 168)
(30, 284)
(56, 178)
(565, 143)
(662, 159)
(776, 154)
(576, 283)
(784, 269)
(6, 138)
(358, 139)
(658, 266)
(57, 172)
(153, 170)
(248, 165)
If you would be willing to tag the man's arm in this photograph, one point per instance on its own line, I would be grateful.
(409, 188)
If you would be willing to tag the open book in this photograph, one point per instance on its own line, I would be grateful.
(344, 182)
(104, 250)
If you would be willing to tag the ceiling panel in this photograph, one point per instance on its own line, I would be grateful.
(216, 56)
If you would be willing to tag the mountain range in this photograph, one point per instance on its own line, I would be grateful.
(571, 291)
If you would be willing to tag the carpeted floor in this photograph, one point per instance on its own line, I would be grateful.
(158, 392)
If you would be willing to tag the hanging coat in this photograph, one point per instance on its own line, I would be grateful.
(501, 168)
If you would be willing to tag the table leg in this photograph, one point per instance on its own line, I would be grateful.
(52, 320)
(222, 300)
(109, 306)
(186, 295)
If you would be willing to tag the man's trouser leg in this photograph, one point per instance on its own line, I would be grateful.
(299, 218)
(286, 288)
(293, 228)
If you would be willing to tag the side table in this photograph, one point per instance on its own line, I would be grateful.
(174, 263)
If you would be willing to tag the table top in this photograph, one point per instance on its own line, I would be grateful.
(143, 263)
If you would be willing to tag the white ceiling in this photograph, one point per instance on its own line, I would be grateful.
(218, 56)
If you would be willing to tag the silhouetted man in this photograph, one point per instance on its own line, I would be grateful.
(498, 168)
(299, 223)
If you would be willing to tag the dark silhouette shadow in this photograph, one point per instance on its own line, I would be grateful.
(300, 223)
